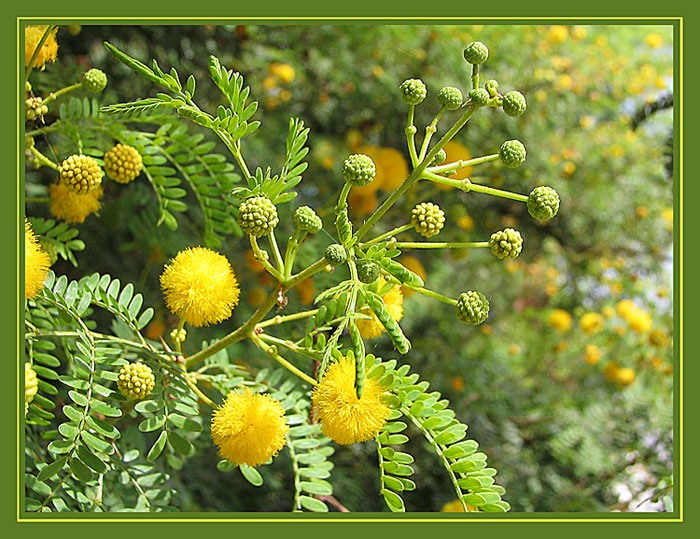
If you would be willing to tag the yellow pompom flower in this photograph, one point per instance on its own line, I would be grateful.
(371, 328)
(592, 355)
(344, 418)
(658, 338)
(36, 263)
(560, 320)
(123, 163)
(625, 307)
(284, 72)
(249, 428)
(72, 207)
(639, 321)
(455, 506)
(610, 370)
(557, 34)
(200, 286)
(31, 385)
(592, 323)
(394, 168)
(654, 41)
(49, 50)
(625, 376)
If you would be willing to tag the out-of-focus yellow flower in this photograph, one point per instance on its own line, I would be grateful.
(586, 122)
(578, 33)
(307, 291)
(455, 506)
(253, 263)
(662, 292)
(486, 329)
(667, 216)
(560, 347)
(457, 383)
(620, 331)
(256, 296)
(610, 370)
(601, 41)
(625, 376)
(564, 82)
(616, 288)
(639, 321)
(540, 95)
(269, 82)
(283, 72)
(660, 82)
(249, 428)
(465, 223)
(592, 355)
(608, 311)
(377, 71)
(658, 338)
(394, 168)
(641, 212)
(36, 263)
(625, 308)
(654, 40)
(514, 349)
(371, 328)
(560, 320)
(617, 151)
(551, 289)
(555, 158)
(362, 204)
(344, 418)
(619, 262)
(592, 323)
(156, 328)
(285, 95)
(73, 207)
(557, 34)
(353, 139)
(48, 51)
(569, 168)
(513, 266)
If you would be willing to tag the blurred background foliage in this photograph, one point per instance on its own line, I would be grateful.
(569, 385)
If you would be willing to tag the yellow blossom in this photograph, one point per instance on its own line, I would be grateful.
(456, 506)
(620, 331)
(639, 321)
(371, 328)
(200, 286)
(654, 41)
(306, 291)
(560, 320)
(48, 51)
(344, 418)
(465, 223)
(514, 349)
(394, 168)
(578, 33)
(557, 34)
(592, 355)
(667, 216)
(362, 204)
(625, 376)
(608, 311)
(560, 346)
(73, 207)
(625, 307)
(256, 296)
(353, 139)
(457, 383)
(610, 370)
(249, 428)
(564, 82)
(284, 72)
(658, 338)
(641, 212)
(586, 122)
(36, 263)
(616, 288)
(569, 168)
(592, 323)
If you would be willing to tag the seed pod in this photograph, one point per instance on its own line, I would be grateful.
(376, 303)
(401, 272)
(358, 348)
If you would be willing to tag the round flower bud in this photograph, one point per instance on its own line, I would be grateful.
(543, 203)
(307, 219)
(413, 91)
(31, 385)
(440, 157)
(514, 104)
(94, 80)
(80, 173)
(428, 219)
(476, 52)
(491, 87)
(136, 380)
(34, 108)
(512, 153)
(479, 96)
(367, 271)
(336, 255)
(359, 170)
(450, 98)
(472, 307)
(123, 163)
(506, 244)
(257, 216)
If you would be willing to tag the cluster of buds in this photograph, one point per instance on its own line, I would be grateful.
(136, 380)
(34, 108)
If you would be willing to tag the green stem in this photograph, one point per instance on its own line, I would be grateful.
(287, 318)
(429, 132)
(276, 252)
(475, 76)
(260, 255)
(458, 165)
(411, 136)
(43, 159)
(343, 198)
(30, 66)
(37, 199)
(289, 345)
(279, 359)
(392, 232)
(54, 95)
(416, 174)
(178, 342)
(466, 185)
(440, 245)
(431, 294)
(317, 266)
(291, 252)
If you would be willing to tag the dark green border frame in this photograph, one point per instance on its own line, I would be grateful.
(269, 14)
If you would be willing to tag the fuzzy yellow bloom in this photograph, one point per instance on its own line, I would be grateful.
(639, 321)
(283, 72)
(371, 328)
(667, 216)
(31, 385)
(412, 263)
(455, 506)
(592, 323)
(465, 223)
(658, 338)
(457, 383)
(625, 307)
(557, 34)
(256, 296)
(560, 320)
(608, 311)
(249, 428)
(610, 370)
(592, 355)
(73, 207)
(569, 168)
(654, 40)
(361, 204)
(625, 376)
(578, 33)
(641, 212)
(307, 291)
(344, 418)
(200, 286)
(586, 122)
(394, 168)
(36, 263)
(48, 51)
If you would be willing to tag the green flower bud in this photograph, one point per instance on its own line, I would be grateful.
(472, 308)
(440, 157)
(476, 52)
(450, 98)
(27, 86)
(507, 243)
(80, 173)
(543, 203)
(307, 219)
(428, 219)
(257, 216)
(336, 255)
(479, 96)
(512, 153)
(94, 80)
(367, 271)
(359, 170)
(491, 87)
(136, 380)
(514, 104)
(413, 91)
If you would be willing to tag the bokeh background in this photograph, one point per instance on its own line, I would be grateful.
(568, 387)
